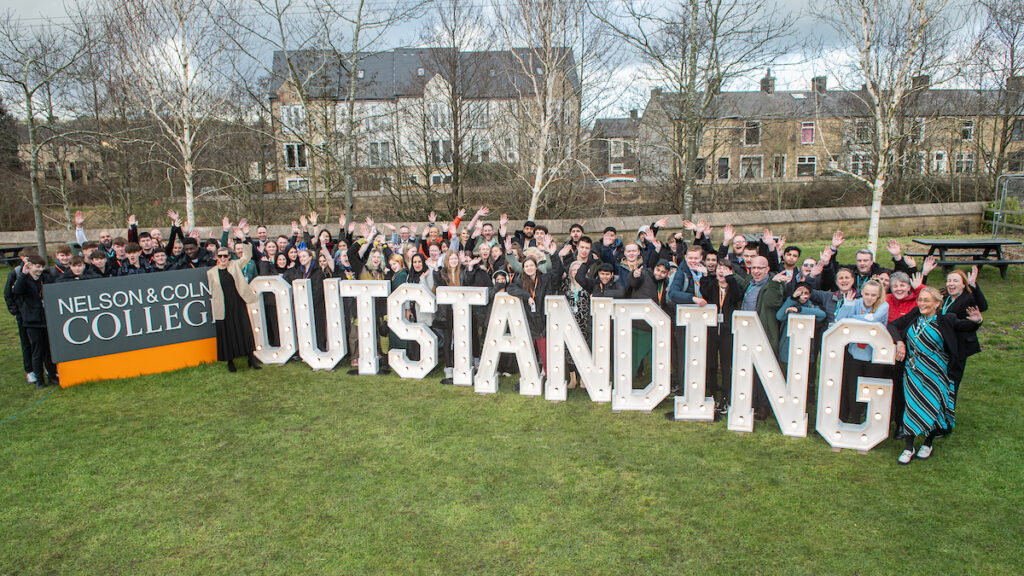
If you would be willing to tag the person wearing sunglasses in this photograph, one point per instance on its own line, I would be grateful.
(230, 296)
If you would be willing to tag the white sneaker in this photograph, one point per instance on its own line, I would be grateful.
(924, 452)
(31, 377)
(905, 457)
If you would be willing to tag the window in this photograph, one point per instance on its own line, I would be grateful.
(805, 165)
(293, 118)
(916, 162)
(967, 131)
(1015, 163)
(441, 151)
(420, 72)
(297, 185)
(916, 130)
(380, 153)
(510, 151)
(779, 166)
(616, 169)
(939, 162)
(360, 74)
(807, 133)
(750, 167)
(964, 163)
(863, 129)
(752, 133)
(860, 164)
(1017, 132)
(414, 180)
(616, 148)
(295, 157)
(698, 169)
(480, 150)
(479, 115)
(723, 168)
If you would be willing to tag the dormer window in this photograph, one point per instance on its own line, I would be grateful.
(359, 74)
(420, 72)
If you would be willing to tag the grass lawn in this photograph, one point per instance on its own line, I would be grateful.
(284, 471)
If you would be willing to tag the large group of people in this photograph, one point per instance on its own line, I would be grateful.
(935, 330)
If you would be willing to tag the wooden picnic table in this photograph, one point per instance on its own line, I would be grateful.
(9, 255)
(969, 252)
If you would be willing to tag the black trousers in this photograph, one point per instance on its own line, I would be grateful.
(720, 356)
(40, 347)
(26, 348)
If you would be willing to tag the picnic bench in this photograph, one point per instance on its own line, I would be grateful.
(953, 252)
(9, 255)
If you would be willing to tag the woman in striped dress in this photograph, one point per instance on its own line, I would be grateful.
(927, 340)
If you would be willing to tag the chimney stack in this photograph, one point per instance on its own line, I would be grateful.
(920, 82)
(633, 115)
(1015, 84)
(819, 84)
(768, 83)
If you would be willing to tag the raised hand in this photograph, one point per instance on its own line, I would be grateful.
(295, 228)
(389, 226)
(638, 271)
(194, 234)
(351, 227)
(781, 277)
(508, 245)
(303, 222)
(701, 269)
(769, 239)
(972, 277)
(461, 213)
(817, 269)
(226, 223)
(432, 217)
(173, 216)
(369, 222)
(412, 230)
(929, 264)
(244, 225)
(565, 250)
(703, 227)
(781, 244)
(341, 221)
(503, 220)
(910, 262)
(131, 221)
(661, 222)
(649, 235)
(239, 233)
(974, 315)
(687, 225)
(825, 257)
(894, 248)
(838, 239)
(916, 280)
(728, 233)
(79, 219)
(483, 211)
(364, 231)
(313, 217)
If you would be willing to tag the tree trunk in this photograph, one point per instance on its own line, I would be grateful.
(877, 190)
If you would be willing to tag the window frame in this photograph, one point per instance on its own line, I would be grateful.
(760, 167)
(804, 126)
(304, 160)
(804, 161)
(748, 126)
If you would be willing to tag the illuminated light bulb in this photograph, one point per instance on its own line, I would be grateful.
(743, 396)
(846, 330)
(793, 424)
(661, 322)
(686, 408)
(600, 348)
(579, 348)
(863, 437)
(334, 305)
(275, 354)
(337, 342)
(258, 348)
(873, 332)
(255, 311)
(647, 308)
(622, 377)
(746, 323)
(622, 332)
(759, 348)
(800, 326)
(587, 369)
(661, 386)
(884, 351)
(622, 309)
(287, 328)
(782, 399)
(601, 305)
(743, 347)
(266, 284)
(837, 435)
(771, 374)
(694, 386)
(828, 409)
(799, 351)
(704, 316)
(555, 368)
(489, 363)
(661, 366)
(878, 415)
(257, 328)
(829, 382)
(554, 305)
(796, 399)
(694, 362)
(831, 353)
(696, 338)
(301, 287)
(281, 292)
(797, 376)
(622, 354)
(743, 372)
(519, 322)
(865, 391)
(701, 407)
(739, 419)
(661, 344)
(687, 315)
(496, 322)
(555, 326)
(880, 392)
(364, 288)
(600, 370)
(336, 324)
(462, 311)
(303, 306)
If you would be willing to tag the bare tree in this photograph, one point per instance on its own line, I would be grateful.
(32, 60)
(892, 41)
(174, 52)
(997, 69)
(543, 73)
(693, 49)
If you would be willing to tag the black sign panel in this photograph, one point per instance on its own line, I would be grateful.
(110, 315)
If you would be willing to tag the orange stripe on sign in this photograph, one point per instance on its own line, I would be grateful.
(138, 362)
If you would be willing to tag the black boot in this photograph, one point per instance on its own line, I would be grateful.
(253, 363)
(231, 366)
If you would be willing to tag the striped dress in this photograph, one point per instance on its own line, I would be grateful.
(928, 389)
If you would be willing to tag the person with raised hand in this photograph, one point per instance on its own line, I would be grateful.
(230, 295)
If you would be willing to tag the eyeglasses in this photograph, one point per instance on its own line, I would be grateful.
(758, 267)
(219, 256)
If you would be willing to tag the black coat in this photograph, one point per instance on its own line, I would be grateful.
(612, 289)
(28, 294)
(733, 298)
(947, 325)
(547, 284)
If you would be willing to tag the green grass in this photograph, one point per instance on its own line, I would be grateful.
(284, 471)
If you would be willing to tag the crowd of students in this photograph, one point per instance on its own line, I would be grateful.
(935, 330)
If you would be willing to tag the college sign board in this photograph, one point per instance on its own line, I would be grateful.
(159, 322)
(128, 326)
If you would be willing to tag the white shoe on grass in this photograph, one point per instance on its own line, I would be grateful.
(924, 452)
(31, 377)
(905, 457)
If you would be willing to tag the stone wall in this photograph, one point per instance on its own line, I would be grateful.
(797, 225)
